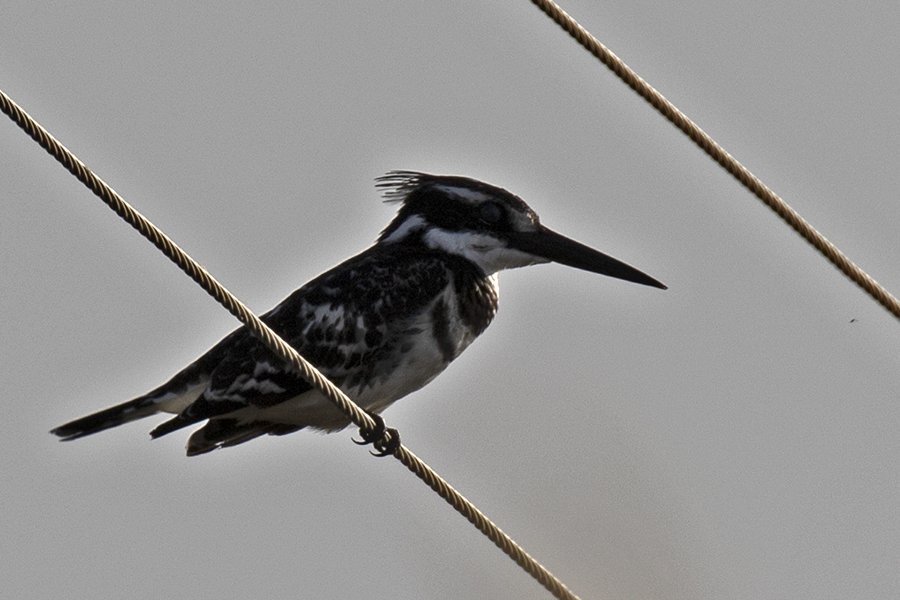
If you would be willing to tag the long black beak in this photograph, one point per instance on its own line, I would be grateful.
(552, 246)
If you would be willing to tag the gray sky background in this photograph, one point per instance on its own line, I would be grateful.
(735, 437)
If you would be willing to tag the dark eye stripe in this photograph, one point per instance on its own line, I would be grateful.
(491, 212)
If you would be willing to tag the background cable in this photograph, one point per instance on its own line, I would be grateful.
(878, 292)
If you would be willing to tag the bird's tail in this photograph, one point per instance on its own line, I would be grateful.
(111, 417)
(157, 401)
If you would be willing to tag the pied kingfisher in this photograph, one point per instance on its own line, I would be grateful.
(380, 325)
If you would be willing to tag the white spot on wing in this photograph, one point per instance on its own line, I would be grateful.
(264, 367)
(175, 403)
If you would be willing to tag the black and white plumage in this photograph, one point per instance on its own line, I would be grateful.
(380, 325)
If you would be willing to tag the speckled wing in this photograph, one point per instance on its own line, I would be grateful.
(346, 322)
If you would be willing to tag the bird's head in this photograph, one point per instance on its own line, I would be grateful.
(485, 224)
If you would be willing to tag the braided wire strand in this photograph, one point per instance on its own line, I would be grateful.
(720, 156)
(280, 347)
(184, 262)
(483, 524)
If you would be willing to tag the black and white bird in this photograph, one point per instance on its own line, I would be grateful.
(380, 325)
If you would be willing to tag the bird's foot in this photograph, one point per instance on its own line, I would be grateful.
(384, 439)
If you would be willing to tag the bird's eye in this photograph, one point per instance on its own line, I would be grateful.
(490, 212)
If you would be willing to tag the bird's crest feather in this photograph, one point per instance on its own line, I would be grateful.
(395, 186)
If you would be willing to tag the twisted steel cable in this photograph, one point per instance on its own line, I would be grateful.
(865, 281)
